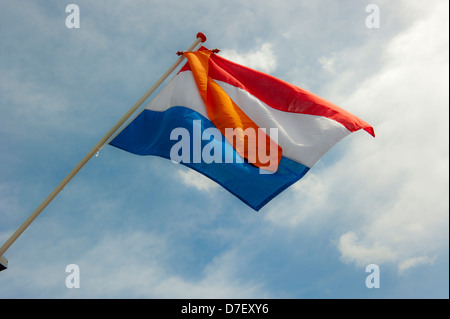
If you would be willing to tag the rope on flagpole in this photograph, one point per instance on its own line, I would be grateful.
(200, 38)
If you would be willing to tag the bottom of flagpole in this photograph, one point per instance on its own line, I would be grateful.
(3, 263)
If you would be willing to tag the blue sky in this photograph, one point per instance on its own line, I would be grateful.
(144, 227)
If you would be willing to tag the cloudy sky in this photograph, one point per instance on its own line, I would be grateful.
(144, 227)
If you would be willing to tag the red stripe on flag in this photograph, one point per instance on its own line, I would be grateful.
(281, 95)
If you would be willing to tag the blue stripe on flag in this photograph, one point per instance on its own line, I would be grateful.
(149, 134)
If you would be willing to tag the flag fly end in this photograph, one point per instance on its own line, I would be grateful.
(370, 130)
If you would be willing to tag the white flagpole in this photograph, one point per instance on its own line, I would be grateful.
(200, 38)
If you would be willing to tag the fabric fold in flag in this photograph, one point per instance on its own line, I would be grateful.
(253, 134)
(225, 114)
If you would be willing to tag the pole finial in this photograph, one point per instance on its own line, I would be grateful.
(202, 36)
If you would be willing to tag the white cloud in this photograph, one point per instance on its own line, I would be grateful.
(328, 63)
(136, 264)
(386, 199)
(262, 59)
(413, 262)
(219, 281)
(363, 253)
(404, 172)
(192, 178)
(126, 264)
(312, 192)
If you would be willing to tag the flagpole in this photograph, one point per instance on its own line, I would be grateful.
(200, 38)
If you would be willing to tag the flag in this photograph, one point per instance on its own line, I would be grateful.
(250, 132)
